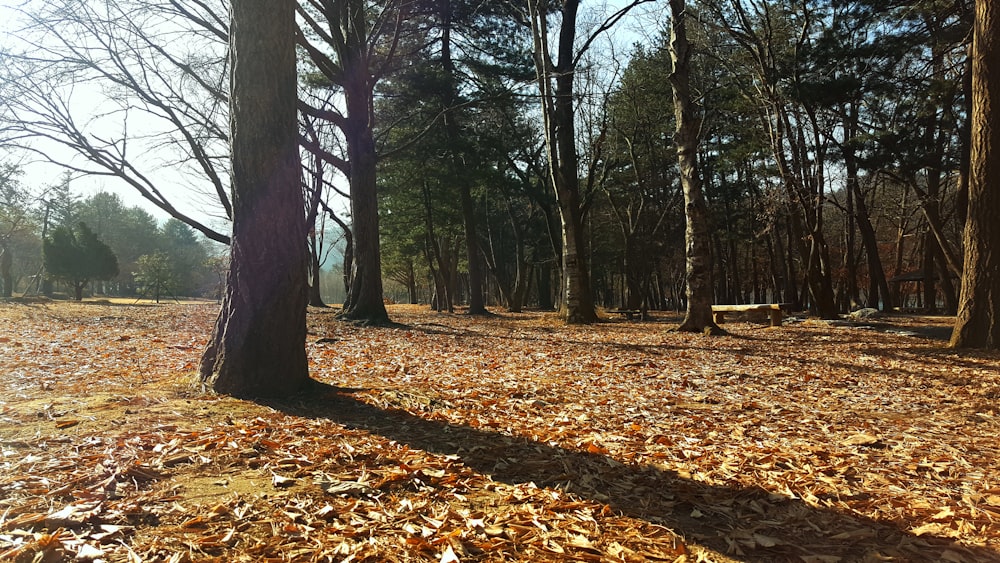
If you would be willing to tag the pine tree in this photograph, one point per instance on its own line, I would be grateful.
(77, 256)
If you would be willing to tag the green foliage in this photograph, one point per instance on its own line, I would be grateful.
(155, 275)
(18, 242)
(187, 256)
(130, 231)
(77, 256)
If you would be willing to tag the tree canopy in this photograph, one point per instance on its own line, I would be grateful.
(77, 257)
(511, 155)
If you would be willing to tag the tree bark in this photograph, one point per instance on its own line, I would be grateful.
(257, 348)
(366, 296)
(6, 279)
(315, 291)
(349, 23)
(555, 81)
(878, 287)
(978, 322)
(698, 317)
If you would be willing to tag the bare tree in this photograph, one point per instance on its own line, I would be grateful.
(555, 70)
(353, 44)
(124, 89)
(771, 41)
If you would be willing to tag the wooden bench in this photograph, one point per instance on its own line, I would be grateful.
(629, 314)
(773, 309)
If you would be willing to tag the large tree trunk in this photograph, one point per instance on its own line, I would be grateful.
(257, 348)
(365, 302)
(366, 297)
(698, 317)
(978, 321)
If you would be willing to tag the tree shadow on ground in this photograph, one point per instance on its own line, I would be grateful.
(750, 524)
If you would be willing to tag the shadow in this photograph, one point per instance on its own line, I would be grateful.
(135, 305)
(545, 335)
(46, 301)
(730, 520)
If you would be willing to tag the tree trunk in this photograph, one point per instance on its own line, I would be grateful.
(348, 263)
(315, 293)
(257, 348)
(698, 317)
(366, 302)
(978, 321)
(477, 304)
(6, 279)
(636, 269)
(545, 286)
(366, 296)
(878, 288)
(555, 83)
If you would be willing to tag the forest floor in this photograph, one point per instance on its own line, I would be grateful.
(507, 438)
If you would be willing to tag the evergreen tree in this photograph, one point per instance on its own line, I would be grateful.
(186, 255)
(77, 256)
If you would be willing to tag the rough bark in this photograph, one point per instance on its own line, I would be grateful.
(698, 317)
(355, 72)
(257, 348)
(555, 81)
(366, 296)
(978, 322)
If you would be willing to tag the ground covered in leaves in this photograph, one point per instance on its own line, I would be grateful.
(507, 438)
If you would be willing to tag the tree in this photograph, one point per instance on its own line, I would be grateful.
(131, 232)
(77, 256)
(364, 39)
(257, 348)
(696, 236)
(555, 75)
(15, 223)
(774, 41)
(163, 104)
(187, 256)
(155, 275)
(978, 322)
(642, 193)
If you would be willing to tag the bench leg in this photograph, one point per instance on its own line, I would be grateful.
(718, 317)
(775, 317)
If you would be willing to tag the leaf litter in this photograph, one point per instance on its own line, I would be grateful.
(507, 438)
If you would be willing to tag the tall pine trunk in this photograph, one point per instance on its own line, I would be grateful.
(257, 348)
(697, 238)
(978, 321)
(477, 302)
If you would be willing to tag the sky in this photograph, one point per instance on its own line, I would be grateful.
(40, 174)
